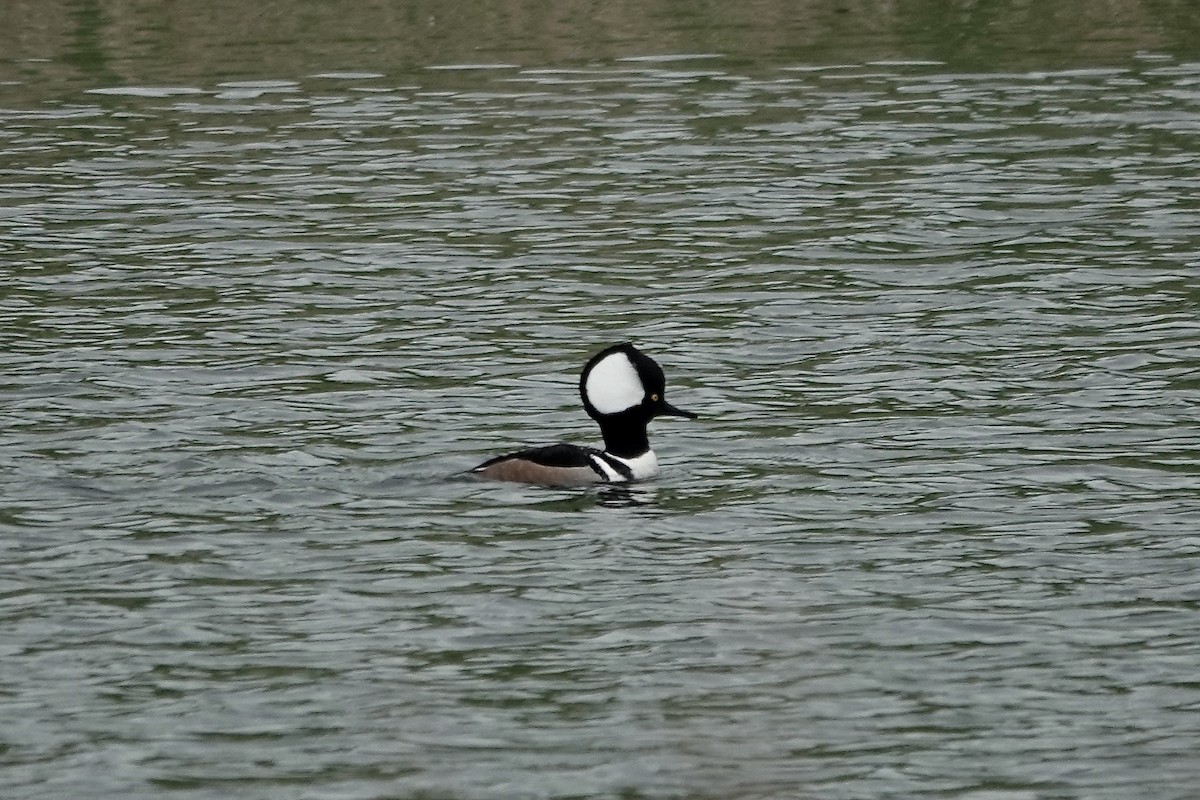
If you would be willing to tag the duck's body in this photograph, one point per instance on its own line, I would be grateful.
(567, 465)
(622, 389)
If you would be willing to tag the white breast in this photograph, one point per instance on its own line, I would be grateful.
(643, 467)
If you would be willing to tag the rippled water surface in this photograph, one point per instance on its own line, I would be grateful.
(934, 535)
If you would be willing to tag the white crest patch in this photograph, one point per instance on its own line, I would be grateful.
(613, 385)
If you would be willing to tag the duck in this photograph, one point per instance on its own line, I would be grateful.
(622, 389)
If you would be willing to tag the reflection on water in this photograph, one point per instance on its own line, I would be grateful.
(934, 533)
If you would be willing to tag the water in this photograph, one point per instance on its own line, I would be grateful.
(933, 536)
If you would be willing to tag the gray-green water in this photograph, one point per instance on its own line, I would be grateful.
(935, 534)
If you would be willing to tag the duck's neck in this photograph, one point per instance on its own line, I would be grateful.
(625, 438)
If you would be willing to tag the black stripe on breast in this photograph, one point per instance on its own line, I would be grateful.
(619, 467)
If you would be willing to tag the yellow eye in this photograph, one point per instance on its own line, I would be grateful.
(654, 398)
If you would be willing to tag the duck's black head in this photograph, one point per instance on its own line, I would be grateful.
(623, 389)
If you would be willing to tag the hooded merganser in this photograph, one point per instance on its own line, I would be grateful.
(622, 389)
